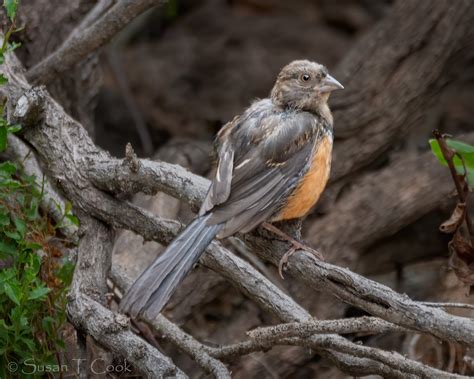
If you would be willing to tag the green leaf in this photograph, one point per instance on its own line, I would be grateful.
(20, 226)
(38, 293)
(11, 6)
(30, 343)
(10, 183)
(2, 57)
(48, 324)
(61, 344)
(13, 235)
(32, 268)
(14, 128)
(65, 273)
(33, 246)
(8, 168)
(4, 219)
(32, 212)
(14, 45)
(463, 149)
(3, 134)
(3, 80)
(8, 248)
(13, 292)
(3, 325)
(460, 147)
(73, 219)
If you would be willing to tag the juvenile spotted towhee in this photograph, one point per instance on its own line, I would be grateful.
(273, 164)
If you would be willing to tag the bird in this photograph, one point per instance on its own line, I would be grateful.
(273, 163)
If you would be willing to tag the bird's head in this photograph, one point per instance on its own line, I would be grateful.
(303, 85)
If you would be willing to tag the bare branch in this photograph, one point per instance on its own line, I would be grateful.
(375, 298)
(392, 360)
(265, 338)
(88, 315)
(269, 337)
(113, 332)
(94, 15)
(79, 45)
(447, 305)
(263, 343)
(365, 325)
(348, 286)
(152, 177)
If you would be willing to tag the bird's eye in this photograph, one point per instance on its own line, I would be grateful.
(305, 77)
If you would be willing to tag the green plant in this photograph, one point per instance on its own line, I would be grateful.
(33, 281)
(34, 277)
(463, 158)
(459, 157)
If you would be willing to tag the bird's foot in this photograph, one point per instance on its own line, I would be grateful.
(295, 245)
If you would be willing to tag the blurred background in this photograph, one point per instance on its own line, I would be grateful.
(173, 77)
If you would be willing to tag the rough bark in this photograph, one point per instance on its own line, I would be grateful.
(411, 54)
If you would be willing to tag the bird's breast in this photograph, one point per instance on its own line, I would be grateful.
(312, 184)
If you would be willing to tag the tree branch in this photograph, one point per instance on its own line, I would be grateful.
(115, 176)
(79, 45)
(365, 325)
(355, 289)
(113, 332)
(87, 314)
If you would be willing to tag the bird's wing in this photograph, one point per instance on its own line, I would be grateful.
(219, 190)
(271, 153)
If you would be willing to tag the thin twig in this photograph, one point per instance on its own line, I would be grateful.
(448, 155)
(447, 305)
(391, 359)
(92, 16)
(366, 325)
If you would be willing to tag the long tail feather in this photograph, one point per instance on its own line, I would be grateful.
(157, 283)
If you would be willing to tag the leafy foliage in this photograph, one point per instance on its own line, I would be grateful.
(34, 277)
(464, 152)
(11, 7)
(33, 282)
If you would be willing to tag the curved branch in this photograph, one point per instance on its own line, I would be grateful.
(350, 287)
(82, 43)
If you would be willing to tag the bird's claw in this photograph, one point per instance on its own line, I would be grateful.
(295, 245)
(284, 260)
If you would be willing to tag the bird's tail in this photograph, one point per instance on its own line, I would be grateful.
(156, 284)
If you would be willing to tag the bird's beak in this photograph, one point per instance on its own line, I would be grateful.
(330, 84)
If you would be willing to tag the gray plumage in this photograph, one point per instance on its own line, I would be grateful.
(262, 156)
(157, 283)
